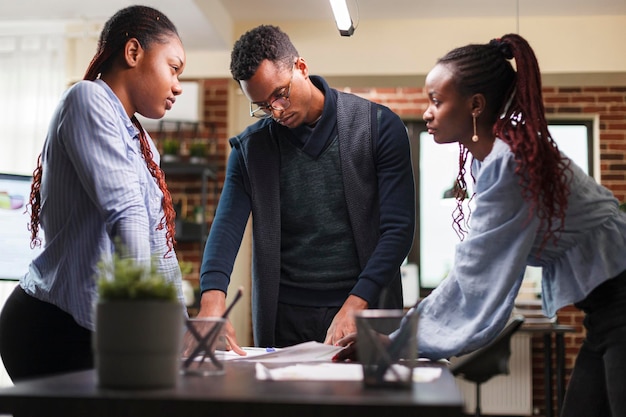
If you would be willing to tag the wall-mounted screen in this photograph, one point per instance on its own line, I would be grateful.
(15, 251)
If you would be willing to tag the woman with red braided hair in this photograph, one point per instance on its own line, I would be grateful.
(97, 189)
(533, 206)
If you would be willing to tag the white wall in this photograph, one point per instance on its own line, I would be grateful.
(562, 44)
(588, 44)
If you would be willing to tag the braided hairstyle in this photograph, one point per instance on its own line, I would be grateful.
(263, 42)
(514, 104)
(148, 26)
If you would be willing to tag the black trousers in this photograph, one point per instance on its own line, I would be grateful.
(299, 324)
(38, 338)
(597, 387)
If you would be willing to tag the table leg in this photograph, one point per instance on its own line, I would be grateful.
(547, 353)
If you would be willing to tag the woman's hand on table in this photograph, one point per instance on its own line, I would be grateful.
(349, 352)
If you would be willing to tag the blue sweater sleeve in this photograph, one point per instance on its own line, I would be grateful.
(488, 266)
(227, 229)
(396, 189)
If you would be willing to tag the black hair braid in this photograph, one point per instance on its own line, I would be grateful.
(542, 170)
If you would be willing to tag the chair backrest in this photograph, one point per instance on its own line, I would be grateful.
(490, 360)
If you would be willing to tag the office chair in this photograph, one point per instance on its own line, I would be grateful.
(488, 361)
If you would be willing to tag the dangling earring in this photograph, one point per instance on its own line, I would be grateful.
(475, 137)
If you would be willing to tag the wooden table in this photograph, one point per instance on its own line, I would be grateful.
(236, 393)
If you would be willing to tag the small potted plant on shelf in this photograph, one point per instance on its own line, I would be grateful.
(171, 150)
(198, 152)
(139, 327)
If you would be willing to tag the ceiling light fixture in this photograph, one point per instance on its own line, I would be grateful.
(342, 17)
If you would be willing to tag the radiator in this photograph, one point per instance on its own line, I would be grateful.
(505, 394)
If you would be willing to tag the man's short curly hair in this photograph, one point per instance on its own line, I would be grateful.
(258, 44)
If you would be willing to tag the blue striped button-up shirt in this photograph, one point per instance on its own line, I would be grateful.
(95, 187)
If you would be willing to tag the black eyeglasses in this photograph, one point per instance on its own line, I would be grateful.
(280, 103)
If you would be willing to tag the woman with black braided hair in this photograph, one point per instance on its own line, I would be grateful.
(533, 206)
(97, 188)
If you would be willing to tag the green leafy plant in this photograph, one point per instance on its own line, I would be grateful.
(622, 206)
(186, 267)
(197, 149)
(125, 279)
(170, 147)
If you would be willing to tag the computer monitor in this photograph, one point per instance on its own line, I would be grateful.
(15, 250)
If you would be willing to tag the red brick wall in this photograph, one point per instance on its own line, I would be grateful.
(214, 130)
(609, 103)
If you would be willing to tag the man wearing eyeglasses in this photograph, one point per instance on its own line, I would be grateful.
(327, 177)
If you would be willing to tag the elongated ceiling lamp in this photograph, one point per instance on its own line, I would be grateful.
(342, 17)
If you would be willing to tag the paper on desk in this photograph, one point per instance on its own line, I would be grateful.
(251, 353)
(303, 352)
(334, 372)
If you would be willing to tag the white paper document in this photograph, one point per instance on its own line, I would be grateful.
(312, 361)
(335, 372)
(303, 352)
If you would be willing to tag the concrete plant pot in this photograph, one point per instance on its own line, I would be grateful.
(137, 343)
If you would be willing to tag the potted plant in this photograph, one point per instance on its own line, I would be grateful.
(197, 152)
(139, 327)
(171, 149)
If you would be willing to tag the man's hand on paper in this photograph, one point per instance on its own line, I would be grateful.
(213, 304)
(343, 324)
